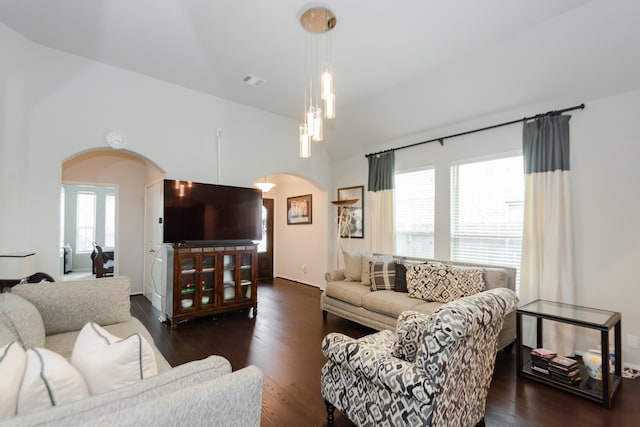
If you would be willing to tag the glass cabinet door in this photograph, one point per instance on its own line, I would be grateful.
(188, 281)
(207, 280)
(245, 276)
(229, 278)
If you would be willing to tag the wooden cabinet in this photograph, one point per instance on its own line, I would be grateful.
(210, 279)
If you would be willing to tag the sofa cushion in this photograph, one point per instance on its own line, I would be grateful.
(352, 266)
(49, 380)
(427, 307)
(495, 278)
(390, 303)
(383, 275)
(347, 291)
(13, 361)
(103, 301)
(443, 283)
(108, 362)
(21, 321)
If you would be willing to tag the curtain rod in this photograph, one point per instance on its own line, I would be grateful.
(442, 138)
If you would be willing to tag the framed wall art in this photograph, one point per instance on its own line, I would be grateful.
(351, 216)
(299, 210)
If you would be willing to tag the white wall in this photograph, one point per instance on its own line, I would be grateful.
(605, 148)
(301, 250)
(57, 105)
(14, 165)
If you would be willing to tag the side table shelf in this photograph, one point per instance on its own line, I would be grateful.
(587, 387)
(602, 320)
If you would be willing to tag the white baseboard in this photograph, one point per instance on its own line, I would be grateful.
(299, 281)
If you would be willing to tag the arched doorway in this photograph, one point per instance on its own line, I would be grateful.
(130, 174)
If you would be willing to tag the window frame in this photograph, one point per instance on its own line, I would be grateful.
(432, 234)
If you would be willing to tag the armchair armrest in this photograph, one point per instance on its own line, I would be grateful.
(379, 366)
(334, 275)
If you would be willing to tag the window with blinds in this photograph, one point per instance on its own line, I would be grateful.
(110, 221)
(414, 212)
(85, 221)
(487, 209)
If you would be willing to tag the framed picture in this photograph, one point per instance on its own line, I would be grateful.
(351, 217)
(299, 210)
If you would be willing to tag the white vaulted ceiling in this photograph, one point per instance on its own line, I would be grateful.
(400, 67)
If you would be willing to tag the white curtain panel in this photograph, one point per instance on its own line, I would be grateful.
(547, 255)
(381, 226)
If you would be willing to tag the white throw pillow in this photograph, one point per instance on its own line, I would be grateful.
(108, 362)
(13, 361)
(49, 380)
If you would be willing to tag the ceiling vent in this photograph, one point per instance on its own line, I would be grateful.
(252, 80)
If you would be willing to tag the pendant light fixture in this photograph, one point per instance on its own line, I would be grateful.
(317, 22)
(264, 185)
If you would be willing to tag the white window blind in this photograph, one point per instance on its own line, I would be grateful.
(85, 221)
(487, 208)
(414, 212)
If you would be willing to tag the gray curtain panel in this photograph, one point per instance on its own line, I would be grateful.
(545, 144)
(382, 171)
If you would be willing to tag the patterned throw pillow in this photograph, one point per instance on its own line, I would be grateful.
(409, 330)
(401, 274)
(443, 283)
(383, 275)
(368, 258)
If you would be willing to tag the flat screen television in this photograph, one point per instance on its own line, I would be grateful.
(196, 212)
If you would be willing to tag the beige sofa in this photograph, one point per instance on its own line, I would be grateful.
(379, 310)
(203, 392)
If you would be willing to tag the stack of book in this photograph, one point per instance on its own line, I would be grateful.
(565, 370)
(541, 359)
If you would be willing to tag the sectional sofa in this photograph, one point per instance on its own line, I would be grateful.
(50, 316)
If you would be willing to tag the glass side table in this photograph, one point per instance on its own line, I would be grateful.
(585, 317)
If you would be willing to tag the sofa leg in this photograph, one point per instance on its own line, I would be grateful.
(324, 314)
(330, 409)
(481, 423)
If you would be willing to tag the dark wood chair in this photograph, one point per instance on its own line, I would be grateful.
(101, 267)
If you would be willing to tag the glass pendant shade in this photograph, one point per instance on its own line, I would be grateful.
(305, 142)
(317, 125)
(327, 84)
(309, 121)
(330, 106)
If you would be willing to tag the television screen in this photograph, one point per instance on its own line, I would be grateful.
(211, 213)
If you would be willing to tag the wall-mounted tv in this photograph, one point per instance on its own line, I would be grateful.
(196, 212)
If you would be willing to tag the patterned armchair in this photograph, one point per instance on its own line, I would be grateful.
(433, 370)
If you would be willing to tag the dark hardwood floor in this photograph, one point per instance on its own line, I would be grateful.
(284, 342)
